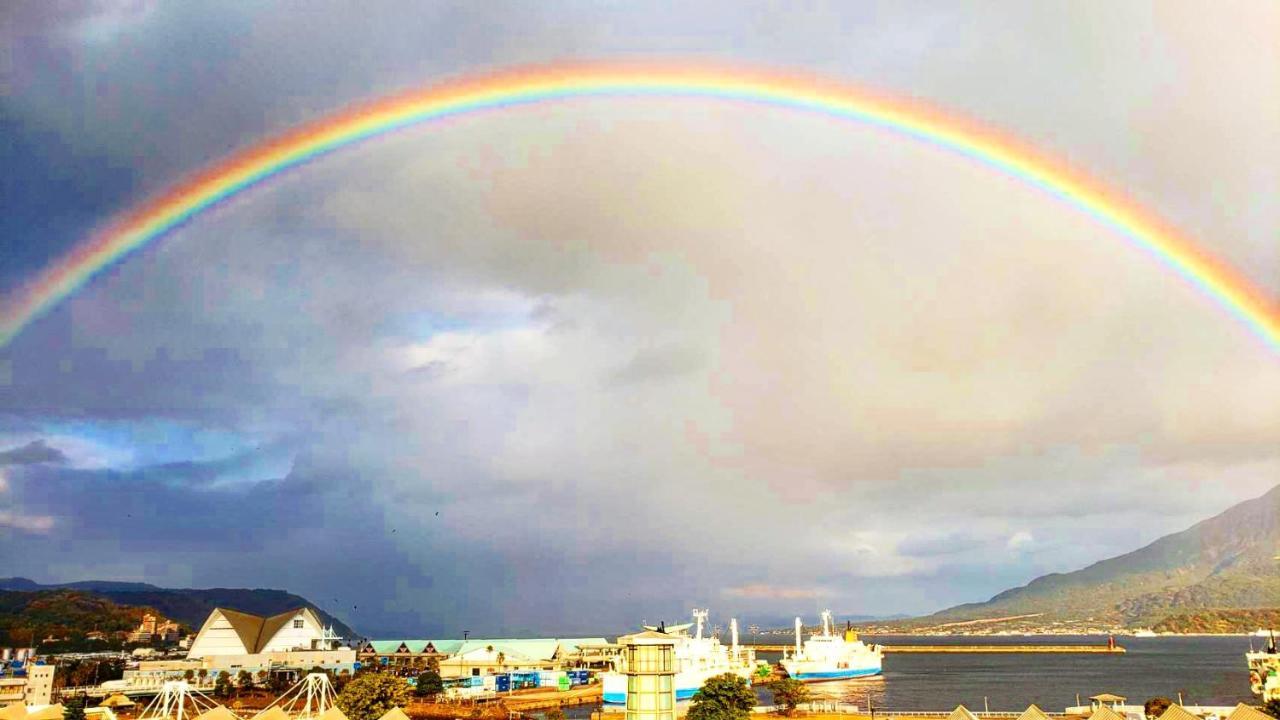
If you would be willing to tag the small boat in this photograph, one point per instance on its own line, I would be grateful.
(828, 656)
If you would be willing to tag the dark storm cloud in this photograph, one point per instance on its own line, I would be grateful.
(50, 374)
(645, 355)
(34, 452)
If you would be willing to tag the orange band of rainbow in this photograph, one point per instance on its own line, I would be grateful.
(519, 88)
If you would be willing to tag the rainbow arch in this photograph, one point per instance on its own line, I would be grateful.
(154, 219)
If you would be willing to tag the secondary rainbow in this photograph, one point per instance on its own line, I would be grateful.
(157, 217)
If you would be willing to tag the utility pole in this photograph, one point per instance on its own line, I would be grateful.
(986, 709)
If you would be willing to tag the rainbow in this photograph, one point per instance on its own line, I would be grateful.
(169, 210)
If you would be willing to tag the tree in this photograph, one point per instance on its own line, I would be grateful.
(189, 675)
(723, 697)
(222, 685)
(1156, 706)
(202, 673)
(433, 664)
(368, 696)
(789, 693)
(430, 685)
(244, 681)
(553, 714)
(73, 708)
(1272, 708)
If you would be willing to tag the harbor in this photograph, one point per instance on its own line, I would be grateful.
(956, 649)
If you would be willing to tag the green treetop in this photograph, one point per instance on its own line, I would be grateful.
(370, 695)
(723, 697)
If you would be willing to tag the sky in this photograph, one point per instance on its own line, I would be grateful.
(571, 367)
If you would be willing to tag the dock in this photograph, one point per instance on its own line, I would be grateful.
(1101, 649)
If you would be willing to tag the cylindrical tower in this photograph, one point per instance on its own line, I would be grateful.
(651, 676)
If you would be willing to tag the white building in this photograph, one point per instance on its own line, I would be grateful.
(230, 632)
(35, 688)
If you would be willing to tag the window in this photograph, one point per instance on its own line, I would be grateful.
(297, 624)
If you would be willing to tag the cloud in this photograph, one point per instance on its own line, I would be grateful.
(662, 352)
(36, 451)
(1020, 541)
(772, 592)
(35, 524)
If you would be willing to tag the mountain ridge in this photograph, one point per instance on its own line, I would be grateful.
(189, 606)
(1228, 561)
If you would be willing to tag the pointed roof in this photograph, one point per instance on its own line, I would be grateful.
(1033, 712)
(394, 713)
(648, 637)
(1177, 712)
(254, 631)
(272, 625)
(247, 627)
(116, 700)
(48, 712)
(217, 712)
(961, 713)
(13, 711)
(1248, 712)
(333, 713)
(272, 713)
(1104, 712)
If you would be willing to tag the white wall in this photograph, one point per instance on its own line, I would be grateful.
(291, 638)
(39, 689)
(217, 637)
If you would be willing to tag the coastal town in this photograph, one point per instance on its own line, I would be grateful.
(293, 666)
(599, 360)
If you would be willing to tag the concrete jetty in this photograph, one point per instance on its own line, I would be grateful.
(1102, 649)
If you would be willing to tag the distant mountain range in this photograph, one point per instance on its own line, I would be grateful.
(186, 605)
(1202, 576)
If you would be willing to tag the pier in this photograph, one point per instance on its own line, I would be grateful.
(1103, 649)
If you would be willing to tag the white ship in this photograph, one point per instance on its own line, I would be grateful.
(827, 656)
(1264, 670)
(697, 658)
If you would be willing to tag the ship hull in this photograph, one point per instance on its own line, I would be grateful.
(614, 684)
(843, 674)
(860, 665)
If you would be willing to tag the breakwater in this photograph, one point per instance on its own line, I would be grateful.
(1102, 649)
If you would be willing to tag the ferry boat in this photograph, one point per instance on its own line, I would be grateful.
(1264, 670)
(828, 656)
(697, 658)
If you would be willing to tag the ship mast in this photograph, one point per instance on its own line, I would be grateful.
(798, 626)
(700, 616)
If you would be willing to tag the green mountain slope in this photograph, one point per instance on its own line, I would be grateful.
(26, 618)
(1225, 562)
(187, 606)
